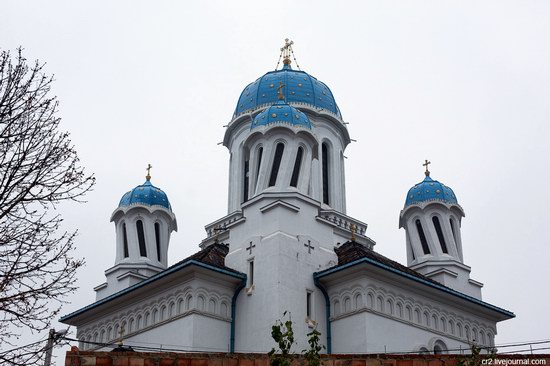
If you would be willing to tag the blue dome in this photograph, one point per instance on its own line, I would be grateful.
(281, 113)
(430, 190)
(145, 194)
(299, 87)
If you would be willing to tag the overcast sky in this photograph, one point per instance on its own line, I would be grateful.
(464, 84)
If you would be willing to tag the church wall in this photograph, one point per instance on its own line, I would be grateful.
(283, 269)
(394, 314)
(189, 312)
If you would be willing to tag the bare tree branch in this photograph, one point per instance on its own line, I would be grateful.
(39, 168)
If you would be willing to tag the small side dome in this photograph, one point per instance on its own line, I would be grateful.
(283, 114)
(145, 194)
(430, 190)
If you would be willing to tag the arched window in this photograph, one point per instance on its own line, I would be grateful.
(246, 176)
(440, 347)
(260, 153)
(157, 239)
(452, 222)
(439, 232)
(141, 238)
(423, 240)
(125, 240)
(276, 163)
(325, 162)
(297, 165)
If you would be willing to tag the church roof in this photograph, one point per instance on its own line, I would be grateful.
(283, 114)
(298, 88)
(145, 194)
(430, 190)
(352, 253)
(210, 258)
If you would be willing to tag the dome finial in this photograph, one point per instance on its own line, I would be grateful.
(148, 176)
(427, 172)
(286, 51)
(280, 94)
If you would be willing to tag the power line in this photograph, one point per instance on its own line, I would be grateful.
(150, 347)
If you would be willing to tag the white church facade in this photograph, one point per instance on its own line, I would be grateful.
(287, 245)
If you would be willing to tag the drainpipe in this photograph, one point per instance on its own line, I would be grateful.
(233, 313)
(327, 307)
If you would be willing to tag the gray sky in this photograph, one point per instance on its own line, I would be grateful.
(464, 84)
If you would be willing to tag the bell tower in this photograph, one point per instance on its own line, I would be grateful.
(143, 222)
(432, 220)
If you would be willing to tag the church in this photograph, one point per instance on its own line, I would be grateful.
(287, 245)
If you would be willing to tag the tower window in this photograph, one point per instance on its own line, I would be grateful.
(260, 153)
(423, 240)
(309, 306)
(452, 222)
(141, 238)
(246, 179)
(125, 240)
(250, 273)
(440, 236)
(157, 239)
(297, 165)
(324, 154)
(276, 163)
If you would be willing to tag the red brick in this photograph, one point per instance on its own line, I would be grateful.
(404, 363)
(230, 361)
(183, 362)
(166, 362)
(215, 362)
(149, 361)
(120, 361)
(262, 361)
(327, 362)
(199, 362)
(342, 362)
(103, 361)
(245, 362)
(358, 363)
(137, 361)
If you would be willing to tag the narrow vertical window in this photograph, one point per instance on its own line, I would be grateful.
(125, 240)
(157, 239)
(276, 163)
(246, 180)
(250, 273)
(423, 240)
(440, 236)
(324, 153)
(308, 305)
(260, 153)
(297, 165)
(452, 222)
(141, 238)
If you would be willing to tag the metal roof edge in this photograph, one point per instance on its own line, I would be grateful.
(154, 278)
(326, 272)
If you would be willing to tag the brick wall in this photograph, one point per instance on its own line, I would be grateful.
(75, 357)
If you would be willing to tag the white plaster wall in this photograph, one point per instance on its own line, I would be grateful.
(369, 312)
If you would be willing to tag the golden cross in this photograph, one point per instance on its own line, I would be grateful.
(286, 49)
(148, 176)
(353, 228)
(427, 172)
(280, 91)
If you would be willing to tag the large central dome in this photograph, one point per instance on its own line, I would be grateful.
(299, 88)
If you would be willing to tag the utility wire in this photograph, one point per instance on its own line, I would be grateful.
(149, 347)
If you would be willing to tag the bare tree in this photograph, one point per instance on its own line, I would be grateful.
(39, 169)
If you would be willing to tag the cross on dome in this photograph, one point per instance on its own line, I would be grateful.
(280, 94)
(148, 176)
(286, 52)
(427, 172)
